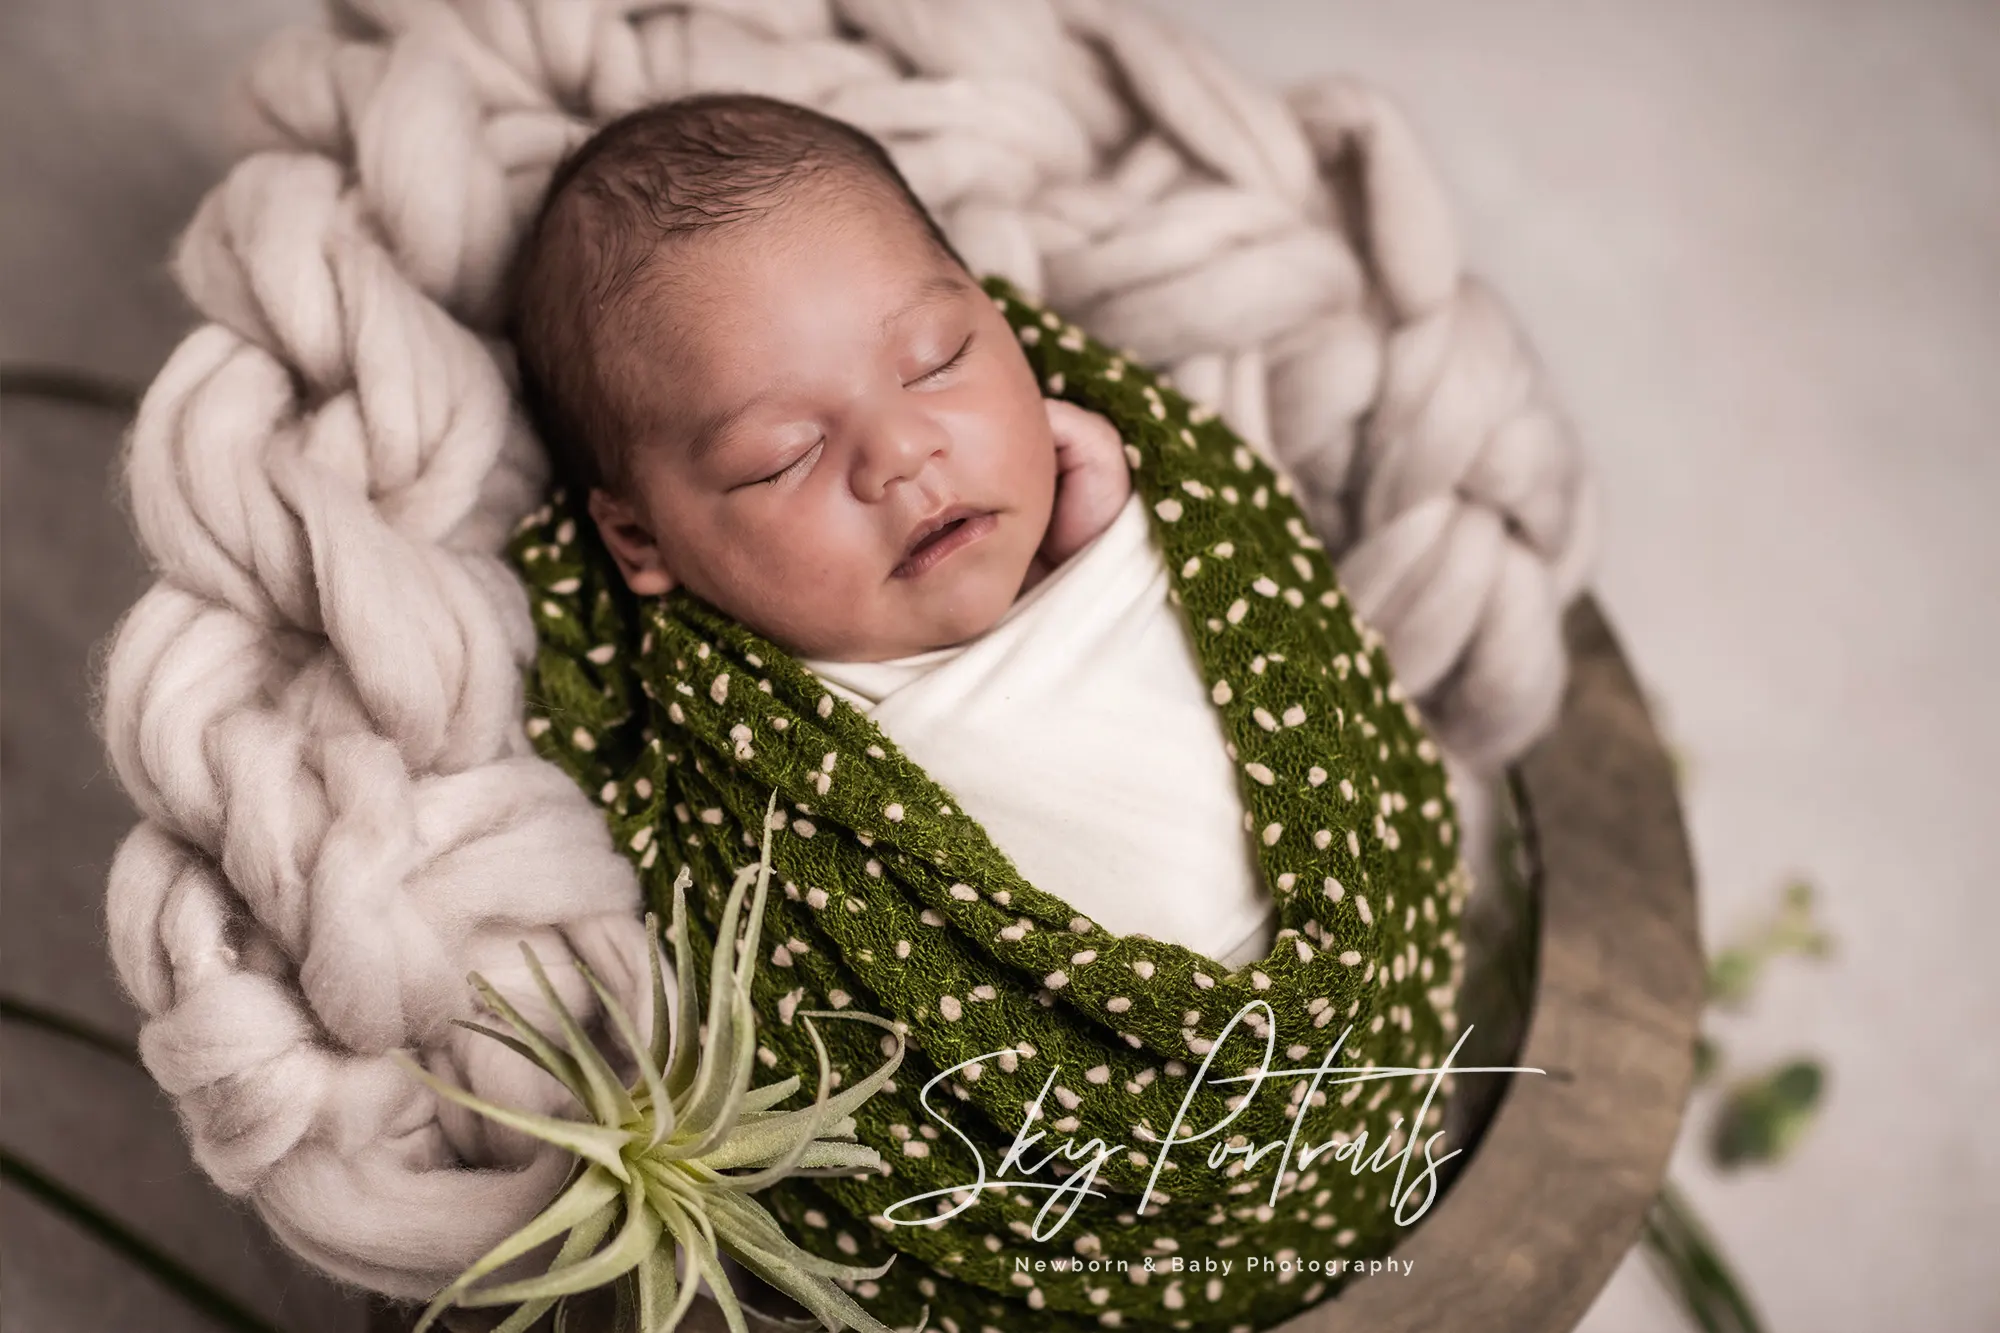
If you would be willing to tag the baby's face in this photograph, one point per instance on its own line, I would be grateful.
(828, 391)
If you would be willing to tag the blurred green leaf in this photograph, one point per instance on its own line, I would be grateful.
(1795, 931)
(1763, 1119)
(1734, 972)
(1707, 1058)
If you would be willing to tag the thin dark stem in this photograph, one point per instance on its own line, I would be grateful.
(63, 385)
(1686, 1258)
(15, 1010)
(117, 1237)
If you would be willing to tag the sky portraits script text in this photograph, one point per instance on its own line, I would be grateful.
(1016, 1171)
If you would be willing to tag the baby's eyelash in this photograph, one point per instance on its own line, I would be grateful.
(790, 467)
(956, 357)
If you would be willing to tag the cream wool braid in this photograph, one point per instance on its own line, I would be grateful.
(317, 707)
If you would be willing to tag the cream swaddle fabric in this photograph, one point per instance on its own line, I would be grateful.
(1079, 733)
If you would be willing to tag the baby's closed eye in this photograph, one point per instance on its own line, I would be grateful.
(798, 464)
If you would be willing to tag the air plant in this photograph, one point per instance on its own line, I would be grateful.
(666, 1166)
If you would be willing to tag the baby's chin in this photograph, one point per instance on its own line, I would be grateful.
(960, 627)
(919, 635)
(956, 614)
(943, 616)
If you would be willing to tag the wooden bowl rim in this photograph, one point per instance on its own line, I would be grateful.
(1542, 1213)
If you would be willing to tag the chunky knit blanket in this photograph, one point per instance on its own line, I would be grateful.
(1183, 1197)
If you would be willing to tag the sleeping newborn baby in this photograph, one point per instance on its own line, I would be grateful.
(745, 337)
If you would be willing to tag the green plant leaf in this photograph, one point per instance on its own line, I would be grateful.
(753, 1231)
(1763, 1119)
(540, 1050)
(528, 1053)
(659, 1292)
(731, 1043)
(609, 1101)
(593, 1191)
(596, 1143)
(1733, 973)
(635, 1239)
(650, 1079)
(759, 1101)
(686, 1052)
(587, 1236)
(1707, 1058)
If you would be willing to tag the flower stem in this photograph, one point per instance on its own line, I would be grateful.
(1685, 1258)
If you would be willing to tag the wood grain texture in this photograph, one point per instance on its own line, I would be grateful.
(1531, 1228)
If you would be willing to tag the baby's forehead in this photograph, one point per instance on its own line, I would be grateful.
(691, 324)
(798, 214)
(679, 292)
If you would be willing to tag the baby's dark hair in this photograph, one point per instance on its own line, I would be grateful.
(652, 176)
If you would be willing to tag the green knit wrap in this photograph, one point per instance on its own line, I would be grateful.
(682, 722)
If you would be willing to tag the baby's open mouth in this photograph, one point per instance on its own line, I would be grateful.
(940, 536)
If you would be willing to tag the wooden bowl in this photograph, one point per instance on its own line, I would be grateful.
(1560, 1181)
(1561, 1167)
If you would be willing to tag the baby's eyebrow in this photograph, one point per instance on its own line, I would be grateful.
(937, 288)
(709, 432)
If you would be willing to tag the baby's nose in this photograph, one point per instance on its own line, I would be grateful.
(897, 450)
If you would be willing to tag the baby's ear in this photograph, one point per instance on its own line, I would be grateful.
(632, 545)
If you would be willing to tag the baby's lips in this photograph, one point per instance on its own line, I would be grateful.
(927, 527)
(942, 536)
